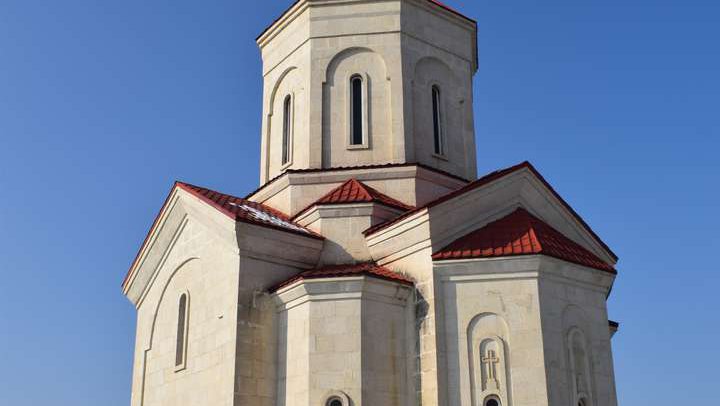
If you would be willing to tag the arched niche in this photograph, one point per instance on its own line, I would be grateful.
(578, 357)
(160, 348)
(337, 148)
(429, 73)
(580, 367)
(489, 357)
(289, 85)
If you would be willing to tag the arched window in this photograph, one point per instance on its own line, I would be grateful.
(287, 129)
(334, 402)
(181, 338)
(438, 135)
(356, 111)
(492, 401)
(337, 398)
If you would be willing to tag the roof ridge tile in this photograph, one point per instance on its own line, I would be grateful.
(355, 191)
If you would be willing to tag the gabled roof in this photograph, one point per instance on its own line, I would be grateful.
(370, 269)
(243, 210)
(354, 191)
(236, 208)
(485, 180)
(520, 233)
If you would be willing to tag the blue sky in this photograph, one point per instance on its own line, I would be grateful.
(103, 104)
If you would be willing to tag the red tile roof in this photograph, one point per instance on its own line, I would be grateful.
(489, 179)
(338, 271)
(354, 191)
(243, 210)
(236, 208)
(520, 233)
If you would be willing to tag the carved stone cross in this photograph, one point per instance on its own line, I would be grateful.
(490, 360)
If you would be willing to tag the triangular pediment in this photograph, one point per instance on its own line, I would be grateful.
(354, 191)
(519, 233)
(244, 227)
(482, 202)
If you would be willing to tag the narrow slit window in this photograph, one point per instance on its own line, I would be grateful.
(181, 331)
(438, 136)
(287, 128)
(356, 111)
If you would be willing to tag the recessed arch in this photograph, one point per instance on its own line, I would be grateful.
(182, 266)
(365, 68)
(489, 358)
(349, 53)
(278, 151)
(276, 86)
(425, 65)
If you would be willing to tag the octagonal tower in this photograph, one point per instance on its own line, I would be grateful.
(358, 82)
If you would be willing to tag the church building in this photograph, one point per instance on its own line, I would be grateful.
(372, 266)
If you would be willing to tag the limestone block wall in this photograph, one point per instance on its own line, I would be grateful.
(256, 343)
(342, 226)
(358, 38)
(286, 72)
(439, 52)
(575, 321)
(425, 335)
(385, 347)
(200, 266)
(400, 49)
(293, 356)
(342, 335)
(493, 306)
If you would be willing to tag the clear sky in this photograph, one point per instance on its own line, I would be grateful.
(103, 104)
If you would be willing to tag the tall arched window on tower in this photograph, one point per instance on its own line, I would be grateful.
(287, 129)
(438, 134)
(356, 111)
(182, 327)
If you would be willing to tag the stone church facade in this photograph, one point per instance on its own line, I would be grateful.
(372, 266)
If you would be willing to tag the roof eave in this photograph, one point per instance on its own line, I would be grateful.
(609, 270)
(232, 216)
(143, 246)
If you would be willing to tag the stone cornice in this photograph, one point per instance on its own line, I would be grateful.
(342, 288)
(300, 6)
